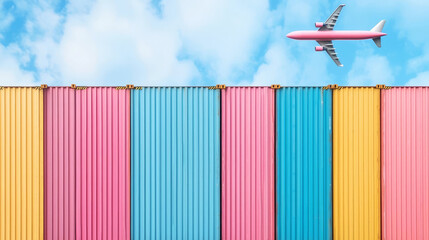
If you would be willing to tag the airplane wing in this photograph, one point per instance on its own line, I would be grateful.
(329, 48)
(330, 23)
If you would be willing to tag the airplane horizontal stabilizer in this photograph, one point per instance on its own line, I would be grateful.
(377, 41)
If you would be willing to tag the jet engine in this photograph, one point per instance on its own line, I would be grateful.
(319, 49)
(320, 24)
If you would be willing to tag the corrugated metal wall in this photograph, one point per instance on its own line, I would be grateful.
(248, 163)
(405, 163)
(356, 163)
(175, 163)
(103, 163)
(85, 136)
(60, 163)
(304, 163)
(21, 163)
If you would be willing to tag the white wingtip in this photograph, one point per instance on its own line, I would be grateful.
(341, 65)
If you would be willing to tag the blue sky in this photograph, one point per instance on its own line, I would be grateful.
(207, 42)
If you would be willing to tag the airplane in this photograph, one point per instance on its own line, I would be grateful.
(326, 34)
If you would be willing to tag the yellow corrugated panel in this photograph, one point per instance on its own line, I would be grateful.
(21, 163)
(356, 163)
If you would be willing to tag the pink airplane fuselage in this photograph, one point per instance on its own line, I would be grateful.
(334, 35)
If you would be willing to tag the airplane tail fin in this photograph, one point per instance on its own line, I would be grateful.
(378, 28)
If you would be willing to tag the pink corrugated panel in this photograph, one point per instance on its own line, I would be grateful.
(405, 163)
(59, 163)
(103, 163)
(248, 163)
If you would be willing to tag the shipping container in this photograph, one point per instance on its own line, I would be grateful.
(103, 163)
(304, 163)
(21, 163)
(175, 163)
(60, 163)
(356, 163)
(405, 163)
(248, 133)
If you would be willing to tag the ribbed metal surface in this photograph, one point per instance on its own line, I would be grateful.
(405, 165)
(60, 163)
(175, 163)
(356, 163)
(304, 163)
(21, 163)
(102, 163)
(248, 163)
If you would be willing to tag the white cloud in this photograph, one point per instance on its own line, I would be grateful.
(5, 20)
(420, 62)
(409, 18)
(107, 42)
(119, 43)
(288, 62)
(10, 72)
(113, 43)
(223, 34)
(285, 67)
(110, 42)
(128, 42)
(279, 67)
(413, 20)
(43, 22)
(303, 14)
(79, 6)
(370, 71)
(422, 79)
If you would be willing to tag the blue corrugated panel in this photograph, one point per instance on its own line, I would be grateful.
(175, 163)
(304, 163)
